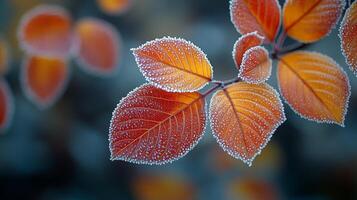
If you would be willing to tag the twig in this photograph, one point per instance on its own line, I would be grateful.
(231, 81)
(212, 89)
(280, 41)
(221, 84)
(293, 47)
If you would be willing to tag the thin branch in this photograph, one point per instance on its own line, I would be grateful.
(221, 84)
(231, 81)
(293, 47)
(281, 40)
(218, 85)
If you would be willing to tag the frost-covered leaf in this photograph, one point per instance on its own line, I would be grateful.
(6, 105)
(348, 36)
(256, 65)
(310, 20)
(47, 30)
(244, 117)
(262, 16)
(244, 43)
(174, 65)
(4, 57)
(152, 126)
(44, 79)
(314, 85)
(99, 46)
(114, 7)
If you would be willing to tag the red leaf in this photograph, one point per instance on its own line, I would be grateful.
(47, 31)
(244, 117)
(256, 66)
(99, 46)
(44, 79)
(348, 36)
(152, 126)
(244, 43)
(251, 15)
(6, 105)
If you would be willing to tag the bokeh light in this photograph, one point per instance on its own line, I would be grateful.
(114, 7)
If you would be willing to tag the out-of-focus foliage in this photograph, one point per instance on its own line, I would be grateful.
(62, 152)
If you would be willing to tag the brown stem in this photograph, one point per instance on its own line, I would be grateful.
(281, 40)
(218, 85)
(221, 84)
(293, 47)
(231, 81)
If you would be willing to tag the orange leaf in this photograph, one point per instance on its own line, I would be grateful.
(310, 20)
(251, 15)
(44, 79)
(152, 126)
(47, 31)
(314, 85)
(348, 36)
(174, 65)
(6, 105)
(256, 65)
(244, 117)
(244, 43)
(99, 46)
(114, 7)
(4, 57)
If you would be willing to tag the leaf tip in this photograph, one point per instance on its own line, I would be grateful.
(134, 49)
(112, 156)
(248, 162)
(342, 124)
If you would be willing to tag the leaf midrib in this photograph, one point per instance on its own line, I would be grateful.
(309, 87)
(160, 123)
(302, 16)
(226, 93)
(176, 67)
(261, 24)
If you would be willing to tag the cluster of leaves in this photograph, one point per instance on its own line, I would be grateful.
(50, 38)
(161, 121)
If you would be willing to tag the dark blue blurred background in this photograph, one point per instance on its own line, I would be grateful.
(62, 152)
